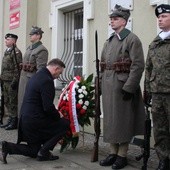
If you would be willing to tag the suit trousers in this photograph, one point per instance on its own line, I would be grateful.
(31, 149)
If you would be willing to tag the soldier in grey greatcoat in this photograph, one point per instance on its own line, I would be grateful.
(35, 57)
(10, 73)
(122, 65)
(157, 85)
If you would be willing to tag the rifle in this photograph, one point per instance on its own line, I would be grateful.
(2, 104)
(146, 143)
(97, 107)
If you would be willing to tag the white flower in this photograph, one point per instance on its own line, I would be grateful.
(86, 103)
(84, 107)
(64, 98)
(80, 90)
(83, 87)
(80, 101)
(85, 92)
(76, 86)
(81, 96)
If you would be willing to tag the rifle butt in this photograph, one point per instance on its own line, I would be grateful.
(94, 157)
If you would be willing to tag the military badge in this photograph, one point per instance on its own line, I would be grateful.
(160, 10)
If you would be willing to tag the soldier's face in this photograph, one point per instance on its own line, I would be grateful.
(9, 42)
(117, 23)
(34, 38)
(164, 21)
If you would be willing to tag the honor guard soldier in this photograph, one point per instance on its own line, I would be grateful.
(10, 76)
(122, 65)
(157, 85)
(35, 57)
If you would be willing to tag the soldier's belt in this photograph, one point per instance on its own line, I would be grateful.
(28, 67)
(120, 66)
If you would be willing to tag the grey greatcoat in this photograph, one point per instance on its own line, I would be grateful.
(36, 55)
(122, 119)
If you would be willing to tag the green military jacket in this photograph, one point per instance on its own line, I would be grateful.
(10, 65)
(157, 74)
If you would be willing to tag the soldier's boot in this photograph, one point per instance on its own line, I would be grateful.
(7, 124)
(13, 124)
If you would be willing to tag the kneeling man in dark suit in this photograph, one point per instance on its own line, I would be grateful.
(40, 125)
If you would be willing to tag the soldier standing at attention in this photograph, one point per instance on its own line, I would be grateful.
(10, 76)
(35, 57)
(157, 85)
(122, 65)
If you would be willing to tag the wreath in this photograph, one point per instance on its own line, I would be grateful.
(76, 103)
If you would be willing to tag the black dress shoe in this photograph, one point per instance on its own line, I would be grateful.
(46, 157)
(4, 152)
(120, 162)
(163, 164)
(109, 160)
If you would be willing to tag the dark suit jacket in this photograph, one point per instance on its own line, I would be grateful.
(39, 116)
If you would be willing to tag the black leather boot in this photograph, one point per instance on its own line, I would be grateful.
(8, 122)
(13, 124)
(109, 160)
(163, 164)
(120, 162)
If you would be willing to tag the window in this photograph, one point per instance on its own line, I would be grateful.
(73, 44)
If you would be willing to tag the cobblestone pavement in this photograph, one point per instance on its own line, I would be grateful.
(86, 145)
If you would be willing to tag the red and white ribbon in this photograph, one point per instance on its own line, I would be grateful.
(72, 104)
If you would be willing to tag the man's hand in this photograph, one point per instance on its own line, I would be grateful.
(127, 95)
(147, 97)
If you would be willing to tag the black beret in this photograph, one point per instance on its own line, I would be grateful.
(120, 11)
(36, 30)
(163, 8)
(11, 36)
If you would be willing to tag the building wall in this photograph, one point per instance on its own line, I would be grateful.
(21, 30)
(43, 13)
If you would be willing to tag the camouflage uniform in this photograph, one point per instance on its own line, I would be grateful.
(10, 78)
(157, 82)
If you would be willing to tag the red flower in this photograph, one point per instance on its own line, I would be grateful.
(82, 111)
(78, 106)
